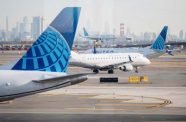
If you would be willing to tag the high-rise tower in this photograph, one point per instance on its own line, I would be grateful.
(7, 30)
(122, 29)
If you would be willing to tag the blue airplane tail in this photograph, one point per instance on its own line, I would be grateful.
(94, 51)
(85, 32)
(159, 43)
(51, 51)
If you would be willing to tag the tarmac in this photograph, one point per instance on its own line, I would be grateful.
(161, 99)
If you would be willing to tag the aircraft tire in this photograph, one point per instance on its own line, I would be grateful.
(110, 71)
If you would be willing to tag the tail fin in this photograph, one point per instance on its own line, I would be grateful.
(85, 32)
(51, 51)
(94, 51)
(160, 41)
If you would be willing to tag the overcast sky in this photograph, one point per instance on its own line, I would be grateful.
(100, 15)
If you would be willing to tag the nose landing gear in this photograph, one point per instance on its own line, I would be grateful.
(136, 70)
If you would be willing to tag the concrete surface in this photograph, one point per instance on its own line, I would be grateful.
(162, 99)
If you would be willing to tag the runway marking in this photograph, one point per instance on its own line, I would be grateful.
(116, 102)
(6, 102)
(166, 102)
(93, 77)
(87, 96)
(117, 86)
(129, 104)
(110, 99)
(169, 62)
(96, 109)
(49, 94)
(168, 66)
(146, 105)
(113, 100)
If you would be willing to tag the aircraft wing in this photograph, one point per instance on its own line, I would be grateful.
(67, 79)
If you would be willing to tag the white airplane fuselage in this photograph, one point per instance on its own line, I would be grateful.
(108, 59)
(147, 52)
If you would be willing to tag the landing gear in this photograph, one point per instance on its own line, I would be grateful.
(110, 71)
(136, 71)
(96, 71)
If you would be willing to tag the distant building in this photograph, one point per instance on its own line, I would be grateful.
(7, 30)
(3, 36)
(36, 27)
(26, 25)
(146, 36)
(17, 33)
(122, 30)
(12, 34)
(153, 37)
(42, 24)
(24, 29)
(128, 32)
(172, 37)
(21, 31)
(181, 35)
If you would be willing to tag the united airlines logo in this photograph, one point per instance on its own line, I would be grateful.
(50, 52)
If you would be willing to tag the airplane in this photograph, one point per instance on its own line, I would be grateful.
(97, 37)
(43, 66)
(109, 62)
(155, 50)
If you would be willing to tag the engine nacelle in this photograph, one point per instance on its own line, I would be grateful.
(126, 67)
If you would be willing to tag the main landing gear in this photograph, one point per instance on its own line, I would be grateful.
(110, 71)
(96, 71)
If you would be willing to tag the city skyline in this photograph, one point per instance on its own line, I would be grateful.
(23, 30)
(30, 30)
(143, 16)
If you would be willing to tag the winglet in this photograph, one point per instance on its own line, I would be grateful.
(130, 59)
(94, 51)
(160, 41)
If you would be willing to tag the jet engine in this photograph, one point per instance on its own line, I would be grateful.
(126, 67)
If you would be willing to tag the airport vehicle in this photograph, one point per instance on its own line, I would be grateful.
(97, 37)
(109, 62)
(155, 50)
(43, 66)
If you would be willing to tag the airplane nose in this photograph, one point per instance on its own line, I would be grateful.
(147, 61)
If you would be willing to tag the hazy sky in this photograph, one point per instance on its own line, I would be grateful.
(138, 15)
